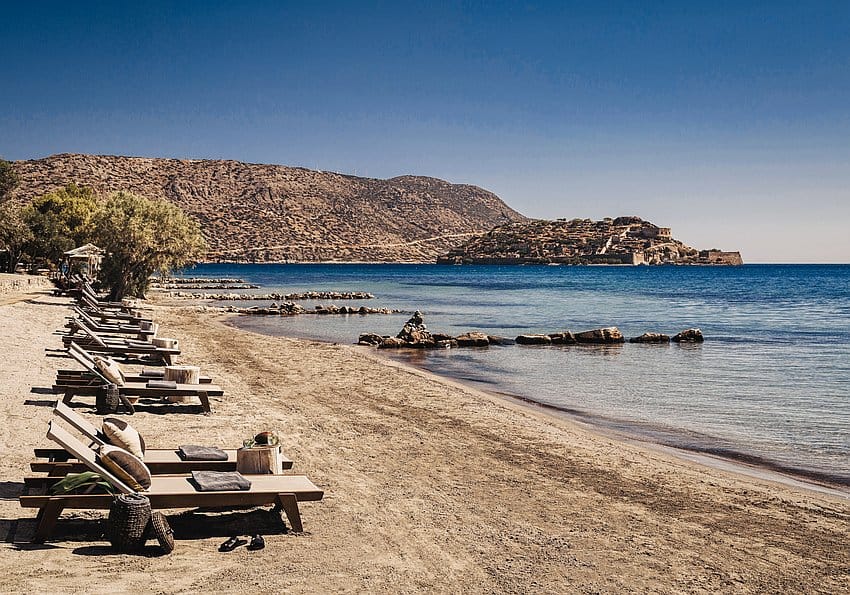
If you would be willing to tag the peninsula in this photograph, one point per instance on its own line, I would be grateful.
(624, 240)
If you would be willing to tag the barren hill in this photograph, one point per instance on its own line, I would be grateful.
(275, 212)
(624, 240)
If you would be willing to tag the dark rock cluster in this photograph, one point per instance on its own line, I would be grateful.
(307, 295)
(416, 335)
(293, 309)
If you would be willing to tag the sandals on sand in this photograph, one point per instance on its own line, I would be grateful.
(257, 543)
(231, 544)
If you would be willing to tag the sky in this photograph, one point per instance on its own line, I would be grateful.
(727, 121)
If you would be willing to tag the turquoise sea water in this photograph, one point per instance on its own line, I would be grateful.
(770, 385)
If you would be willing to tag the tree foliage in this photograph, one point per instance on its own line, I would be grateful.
(8, 179)
(60, 221)
(142, 237)
(14, 235)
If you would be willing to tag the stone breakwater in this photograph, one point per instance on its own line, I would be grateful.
(415, 335)
(307, 295)
(293, 309)
(168, 286)
(201, 283)
(10, 283)
(197, 281)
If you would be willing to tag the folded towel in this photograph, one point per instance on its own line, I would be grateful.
(190, 452)
(161, 384)
(220, 481)
(153, 373)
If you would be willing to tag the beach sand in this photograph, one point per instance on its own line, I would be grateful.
(429, 487)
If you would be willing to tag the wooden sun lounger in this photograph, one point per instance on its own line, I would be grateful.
(94, 342)
(135, 389)
(106, 315)
(87, 377)
(120, 328)
(169, 491)
(90, 296)
(159, 460)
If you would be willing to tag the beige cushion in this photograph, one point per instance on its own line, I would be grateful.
(121, 434)
(110, 370)
(126, 467)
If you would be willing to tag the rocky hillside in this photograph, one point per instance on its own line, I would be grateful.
(624, 240)
(275, 212)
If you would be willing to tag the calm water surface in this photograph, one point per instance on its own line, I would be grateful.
(771, 384)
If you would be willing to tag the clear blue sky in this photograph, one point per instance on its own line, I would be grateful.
(728, 121)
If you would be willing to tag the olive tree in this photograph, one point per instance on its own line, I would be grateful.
(60, 220)
(14, 235)
(8, 179)
(142, 237)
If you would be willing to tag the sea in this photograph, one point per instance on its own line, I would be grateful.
(769, 387)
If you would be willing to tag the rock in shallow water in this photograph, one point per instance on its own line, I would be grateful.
(369, 339)
(415, 332)
(601, 336)
(534, 340)
(691, 335)
(473, 339)
(562, 338)
(651, 338)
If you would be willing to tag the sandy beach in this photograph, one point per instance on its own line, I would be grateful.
(429, 486)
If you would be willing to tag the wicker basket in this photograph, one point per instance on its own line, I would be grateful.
(108, 399)
(127, 525)
(160, 530)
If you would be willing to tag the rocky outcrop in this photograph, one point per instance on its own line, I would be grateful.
(563, 338)
(534, 340)
(415, 332)
(310, 295)
(254, 212)
(415, 335)
(293, 309)
(473, 339)
(601, 336)
(691, 335)
(651, 338)
(370, 339)
(624, 240)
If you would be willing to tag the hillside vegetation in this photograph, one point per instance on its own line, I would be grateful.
(275, 212)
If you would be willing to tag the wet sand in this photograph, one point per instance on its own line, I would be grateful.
(429, 486)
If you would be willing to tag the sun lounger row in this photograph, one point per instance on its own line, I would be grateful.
(174, 475)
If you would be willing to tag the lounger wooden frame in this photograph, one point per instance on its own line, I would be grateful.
(135, 389)
(118, 345)
(121, 327)
(84, 377)
(169, 491)
(159, 460)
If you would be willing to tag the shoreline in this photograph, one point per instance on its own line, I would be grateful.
(430, 486)
(749, 466)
